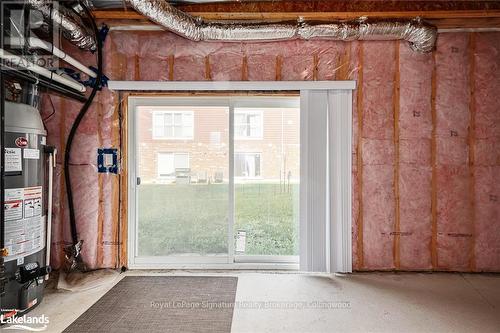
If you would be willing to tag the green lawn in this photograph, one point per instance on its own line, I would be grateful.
(176, 219)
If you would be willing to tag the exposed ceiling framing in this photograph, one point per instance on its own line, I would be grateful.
(443, 14)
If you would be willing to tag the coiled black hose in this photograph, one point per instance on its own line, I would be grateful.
(74, 128)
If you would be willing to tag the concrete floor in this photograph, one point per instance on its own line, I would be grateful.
(362, 302)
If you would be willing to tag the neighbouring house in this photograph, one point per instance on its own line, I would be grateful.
(190, 144)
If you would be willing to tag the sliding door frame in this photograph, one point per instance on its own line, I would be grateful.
(213, 90)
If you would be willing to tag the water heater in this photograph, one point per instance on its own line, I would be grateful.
(25, 209)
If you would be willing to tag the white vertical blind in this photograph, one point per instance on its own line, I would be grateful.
(340, 160)
(313, 187)
(325, 217)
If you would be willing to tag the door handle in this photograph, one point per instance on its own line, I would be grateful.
(138, 181)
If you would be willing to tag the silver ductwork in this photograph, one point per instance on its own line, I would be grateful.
(68, 21)
(422, 37)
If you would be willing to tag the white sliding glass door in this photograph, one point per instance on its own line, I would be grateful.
(215, 181)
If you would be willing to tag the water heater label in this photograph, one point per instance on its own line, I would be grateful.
(13, 161)
(24, 223)
(31, 154)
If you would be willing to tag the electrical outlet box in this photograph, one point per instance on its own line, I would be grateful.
(107, 160)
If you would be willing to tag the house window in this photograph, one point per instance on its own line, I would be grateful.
(172, 125)
(247, 165)
(168, 163)
(248, 124)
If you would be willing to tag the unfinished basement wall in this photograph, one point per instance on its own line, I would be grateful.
(426, 140)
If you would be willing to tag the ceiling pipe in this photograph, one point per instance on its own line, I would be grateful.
(36, 43)
(68, 21)
(13, 60)
(421, 36)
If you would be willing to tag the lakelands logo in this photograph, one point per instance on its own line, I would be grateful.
(24, 323)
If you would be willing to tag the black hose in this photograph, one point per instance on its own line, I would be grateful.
(74, 128)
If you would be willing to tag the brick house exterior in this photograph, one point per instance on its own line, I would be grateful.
(175, 141)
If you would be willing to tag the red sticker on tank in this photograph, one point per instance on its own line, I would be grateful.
(21, 142)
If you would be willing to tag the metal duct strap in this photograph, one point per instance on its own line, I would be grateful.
(68, 21)
(422, 37)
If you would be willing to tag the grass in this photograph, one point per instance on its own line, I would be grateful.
(182, 219)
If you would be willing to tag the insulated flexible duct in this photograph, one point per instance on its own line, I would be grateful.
(68, 21)
(422, 37)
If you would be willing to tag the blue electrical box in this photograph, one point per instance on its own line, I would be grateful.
(107, 160)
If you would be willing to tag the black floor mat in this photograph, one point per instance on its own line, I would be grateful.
(162, 304)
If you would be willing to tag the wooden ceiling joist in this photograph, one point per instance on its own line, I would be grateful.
(443, 14)
(339, 6)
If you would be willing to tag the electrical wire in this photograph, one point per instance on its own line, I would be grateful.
(74, 128)
(50, 115)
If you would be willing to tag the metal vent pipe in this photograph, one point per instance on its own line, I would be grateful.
(421, 36)
(68, 21)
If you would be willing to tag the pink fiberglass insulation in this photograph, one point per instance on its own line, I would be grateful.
(225, 59)
(154, 70)
(258, 67)
(378, 151)
(415, 173)
(108, 125)
(79, 162)
(83, 174)
(95, 131)
(378, 216)
(115, 66)
(225, 66)
(84, 179)
(332, 60)
(455, 228)
(487, 152)
(466, 237)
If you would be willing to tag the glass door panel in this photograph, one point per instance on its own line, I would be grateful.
(266, 179)
(182, 165)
